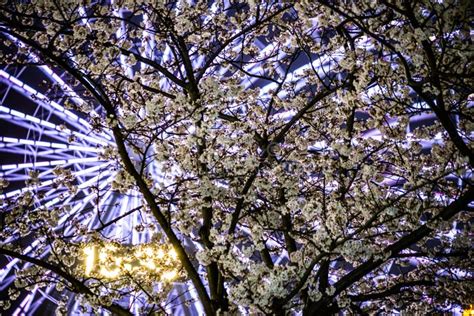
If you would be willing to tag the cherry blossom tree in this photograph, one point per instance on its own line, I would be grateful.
(309, 157)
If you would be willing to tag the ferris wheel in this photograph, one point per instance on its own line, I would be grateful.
(42, 137)
(39, 135)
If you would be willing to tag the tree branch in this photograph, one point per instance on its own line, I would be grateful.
(396, 289)
(77, 285)
(362, 270)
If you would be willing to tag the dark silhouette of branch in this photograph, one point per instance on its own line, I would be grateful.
(355, 275)
(77, 285)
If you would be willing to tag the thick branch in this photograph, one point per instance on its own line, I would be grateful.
(155, 65)
(396, 289)
(404, 242)
(149, 197)
(77, 285)
(155, 209)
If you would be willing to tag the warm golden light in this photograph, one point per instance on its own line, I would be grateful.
(112, 261)
(89, 252)
(160, 254)
(110, 274)
(469, 311)
(173, 254)
(170, 275)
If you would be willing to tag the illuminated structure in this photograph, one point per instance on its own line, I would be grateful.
(112, 261)
(46, 135)
(74, 181)
(468, 311)
(40, 134)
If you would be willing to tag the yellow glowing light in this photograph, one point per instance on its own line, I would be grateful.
(173, 254)
(89, 252)
(149, 264)
(110, 274)
(469, 311)
(170, 275)
(149, 251)
(112, 261)
(128, 267)
(160, 254)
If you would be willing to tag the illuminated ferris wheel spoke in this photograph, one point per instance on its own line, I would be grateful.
(31, 122)
(57, 130)
(46, 183)
(148, 40)
(75, 98)
(43, 153)
(46, 294)
(28, 91)
(44, 144)
(43, 101)
(34, 301)
(53, 197)
(26, 303)
(79, 173)
(51, 163)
